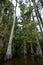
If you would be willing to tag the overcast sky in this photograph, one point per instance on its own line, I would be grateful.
(18, 9)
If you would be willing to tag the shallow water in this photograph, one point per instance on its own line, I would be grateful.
(21, 61)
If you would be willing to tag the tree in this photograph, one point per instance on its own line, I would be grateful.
(9, 52)
(28, 14)
(5, 26)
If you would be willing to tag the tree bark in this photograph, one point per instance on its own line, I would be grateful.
(31, 48)
(25, 52)
(38, 48)
(9, 49)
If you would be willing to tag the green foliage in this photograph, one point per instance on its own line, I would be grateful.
(26, 32)
(5, 25)
(29, 31)
(41, 2)
(22, 7)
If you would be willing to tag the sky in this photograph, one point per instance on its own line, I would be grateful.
(18, 10)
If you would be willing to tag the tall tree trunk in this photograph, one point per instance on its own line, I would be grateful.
(1, 18)
(9, 49)
(25, 49)
(31, 48)
(25, 52)
(38, 48)
(38, 16)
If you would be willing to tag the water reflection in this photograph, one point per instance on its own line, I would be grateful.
(30, 60)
